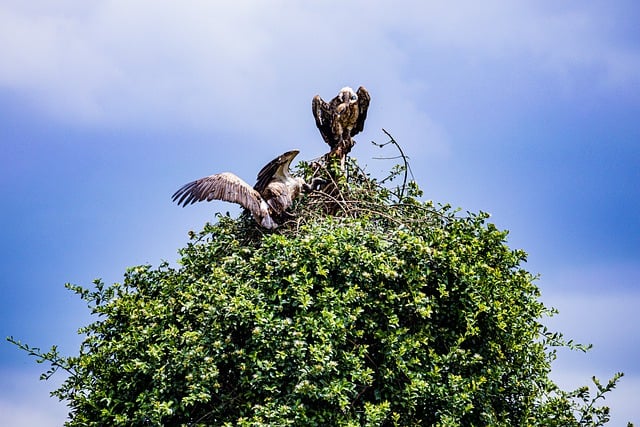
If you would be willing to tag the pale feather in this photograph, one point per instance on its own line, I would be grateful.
(222, 186)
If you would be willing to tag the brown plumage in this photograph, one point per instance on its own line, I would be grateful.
(274, 192)
(340, 119)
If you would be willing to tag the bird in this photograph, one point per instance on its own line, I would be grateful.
(340, 119)
(274, 191)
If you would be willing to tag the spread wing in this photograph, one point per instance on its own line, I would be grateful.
(266, 174)
(223, 186)
(324, 115)
(363, 105)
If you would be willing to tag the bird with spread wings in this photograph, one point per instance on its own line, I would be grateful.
(274, 192)
(340, 119)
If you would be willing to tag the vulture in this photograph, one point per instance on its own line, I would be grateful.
(274, 192)
(341, 118)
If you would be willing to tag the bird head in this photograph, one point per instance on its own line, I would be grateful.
(289, 155)
(285, 161)
(347, 95)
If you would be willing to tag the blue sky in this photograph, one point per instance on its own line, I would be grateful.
(527, 110)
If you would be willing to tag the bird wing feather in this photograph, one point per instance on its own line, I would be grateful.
(267, 173)
(363, 105)
(222, 186)
(324, 115)
(278, 196)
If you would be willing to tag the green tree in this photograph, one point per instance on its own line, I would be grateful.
(369, 307)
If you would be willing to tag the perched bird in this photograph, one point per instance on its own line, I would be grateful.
(274, 192)
(341, 118)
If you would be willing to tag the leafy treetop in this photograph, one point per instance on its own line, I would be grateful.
(368, 307)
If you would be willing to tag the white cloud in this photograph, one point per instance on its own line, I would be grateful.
(560, 38)
(218, 65)
(49, 59)
(623, 400)
(597, 307)
(25, 400)
(29, 414)
(609, 322)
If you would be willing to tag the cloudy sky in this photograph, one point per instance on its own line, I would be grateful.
(529, 110)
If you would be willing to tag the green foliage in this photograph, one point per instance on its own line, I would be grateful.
(380, 310)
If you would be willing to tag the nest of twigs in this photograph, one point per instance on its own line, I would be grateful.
(350, 192)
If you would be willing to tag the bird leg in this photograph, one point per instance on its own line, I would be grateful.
(342, 149)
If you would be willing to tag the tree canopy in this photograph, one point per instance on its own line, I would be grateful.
(369, 307)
